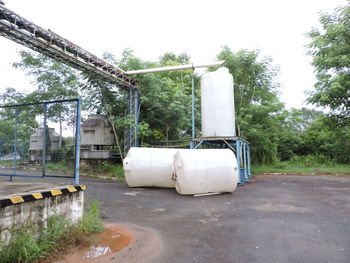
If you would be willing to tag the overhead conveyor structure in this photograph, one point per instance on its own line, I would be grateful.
(26, 33)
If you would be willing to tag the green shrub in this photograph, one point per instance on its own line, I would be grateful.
(23, 247)
(91, 222)
(59, 166)
(117, 171)
(308, 164)
(52, 233)
(315, 160)
(114, 170)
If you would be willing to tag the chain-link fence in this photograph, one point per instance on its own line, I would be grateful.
(40, 139)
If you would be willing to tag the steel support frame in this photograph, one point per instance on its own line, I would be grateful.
(77, 140)
(240, 147)
(132, 111)
(193, 111)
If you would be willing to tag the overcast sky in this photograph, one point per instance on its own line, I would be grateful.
(197, 27)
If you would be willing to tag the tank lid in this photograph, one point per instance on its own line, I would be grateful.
(221, 70)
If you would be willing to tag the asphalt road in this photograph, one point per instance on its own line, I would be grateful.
(271, 219)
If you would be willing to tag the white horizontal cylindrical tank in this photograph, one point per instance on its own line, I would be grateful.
(149, 167)
(217, 104)
(205, 171)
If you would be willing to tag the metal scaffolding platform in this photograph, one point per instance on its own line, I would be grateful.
(238, 145)
(28, 34)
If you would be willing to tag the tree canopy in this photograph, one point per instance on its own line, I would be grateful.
(329, 47)
(275, 133)
(330, 50)
(256, 100)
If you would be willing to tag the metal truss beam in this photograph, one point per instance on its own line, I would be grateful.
(28, 34)
(24, 32)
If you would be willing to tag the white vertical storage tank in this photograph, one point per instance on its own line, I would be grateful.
(205, 171)
(149, 167)
(217, 104)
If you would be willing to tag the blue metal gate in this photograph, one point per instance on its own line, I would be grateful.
(30, 148)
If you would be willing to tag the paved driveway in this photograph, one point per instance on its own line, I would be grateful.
(271, 219)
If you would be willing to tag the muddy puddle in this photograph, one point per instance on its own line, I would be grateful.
(113, 239)
(125, 243)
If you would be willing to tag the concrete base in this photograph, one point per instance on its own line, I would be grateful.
(36, 206)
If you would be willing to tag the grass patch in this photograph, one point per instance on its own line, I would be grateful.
(8, 162)
(114, 171)
(61, 166)
(304, 165)
(91, 222)
(23, 247)
(57, 238)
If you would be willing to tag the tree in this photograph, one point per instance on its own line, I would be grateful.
(330, 49)
(294, 125)
(323, 137)
(26, 120)
(165, 98)
(256, 101)
(54, 81)
(11, 95)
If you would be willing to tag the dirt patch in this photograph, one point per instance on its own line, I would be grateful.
(119, 243)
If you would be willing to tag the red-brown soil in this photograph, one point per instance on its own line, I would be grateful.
(118, 243)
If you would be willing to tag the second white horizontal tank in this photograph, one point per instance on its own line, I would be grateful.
(205, 171)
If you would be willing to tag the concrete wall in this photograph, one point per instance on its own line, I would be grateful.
(67, 205)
